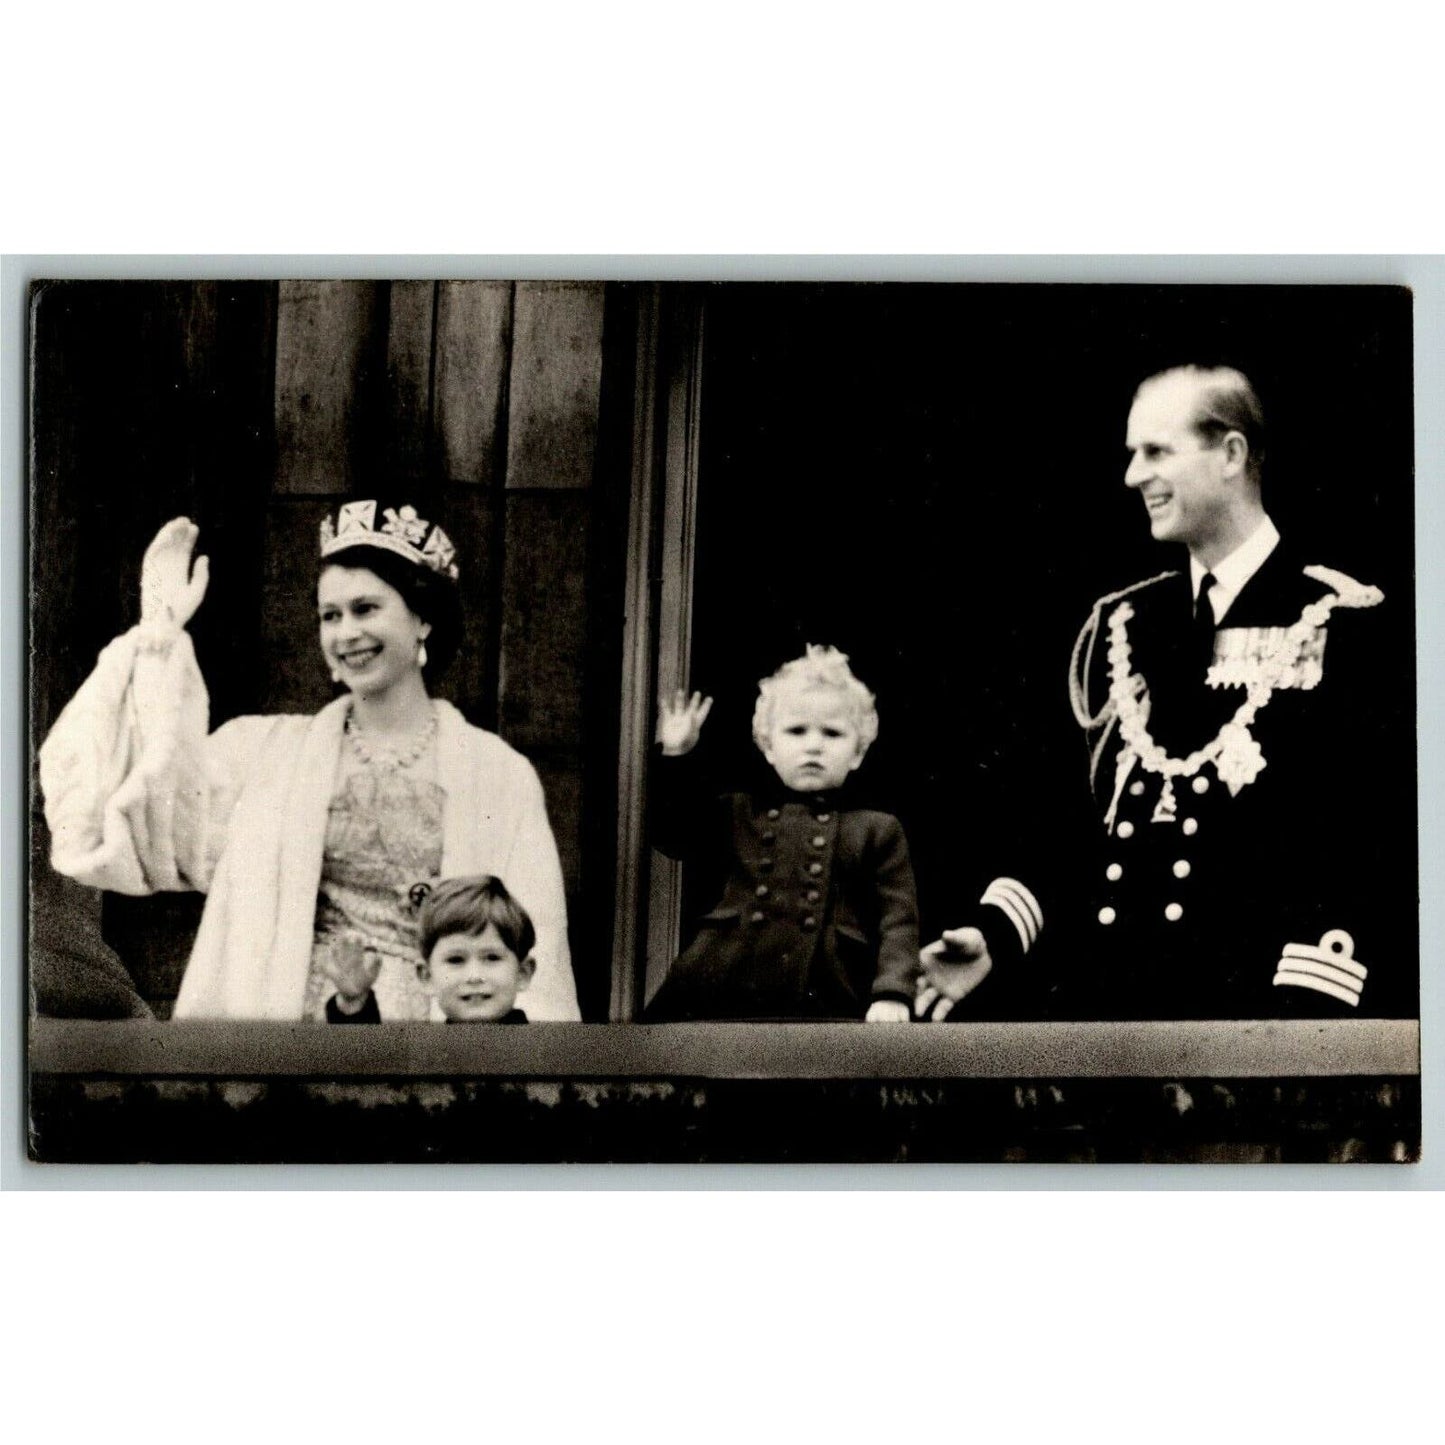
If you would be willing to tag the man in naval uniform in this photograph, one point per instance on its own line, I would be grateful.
(1243, 778)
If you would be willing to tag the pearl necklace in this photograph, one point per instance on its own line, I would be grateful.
(404, 755)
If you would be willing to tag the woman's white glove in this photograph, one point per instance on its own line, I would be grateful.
(170, 588)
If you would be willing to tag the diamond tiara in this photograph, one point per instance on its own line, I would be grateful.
(400, 530)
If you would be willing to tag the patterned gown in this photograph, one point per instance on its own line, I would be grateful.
(383, 837)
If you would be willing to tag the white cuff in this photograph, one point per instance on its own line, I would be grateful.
(157, 635)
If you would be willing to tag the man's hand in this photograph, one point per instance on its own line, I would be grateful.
(887, 1011)
(352, 969)
(679, 722)
(170, 590)
(953, 967)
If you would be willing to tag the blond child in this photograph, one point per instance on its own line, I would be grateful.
(818, 917)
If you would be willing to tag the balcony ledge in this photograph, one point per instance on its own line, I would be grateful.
(1217, 1049)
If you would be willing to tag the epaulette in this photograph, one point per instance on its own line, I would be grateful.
(1348, 592)
(1132, 588)
(1081, 661)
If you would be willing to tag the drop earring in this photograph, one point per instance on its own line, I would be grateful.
(421, 653)
(336, 674)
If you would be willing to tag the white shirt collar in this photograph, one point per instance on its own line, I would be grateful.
(1235, 570)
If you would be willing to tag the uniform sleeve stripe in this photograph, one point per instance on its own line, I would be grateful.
(1011, 911)
(1004, 897)
(1301, 956)
(1022, 896)
(1320, 985)
(1007, 903)
(1320, 969)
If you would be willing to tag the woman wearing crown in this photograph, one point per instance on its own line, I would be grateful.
(309, 835)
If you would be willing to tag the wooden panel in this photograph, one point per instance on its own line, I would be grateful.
(230, 333)
(556, 384)
(473, 337)
(683, 345)
(561, 776)
(470, 682)
(411, 321)
(295, 678)
(144, 406)
(325, 332)
(150, 401)
(544, 619)
(68, 627)
(635, 726)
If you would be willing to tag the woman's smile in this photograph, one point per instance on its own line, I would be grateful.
(358, 657)
(369, 635)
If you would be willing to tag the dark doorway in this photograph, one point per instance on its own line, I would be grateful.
(931, 479)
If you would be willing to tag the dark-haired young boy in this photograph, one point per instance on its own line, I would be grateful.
(476, 945)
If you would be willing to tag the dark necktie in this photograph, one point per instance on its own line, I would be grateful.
(1204, 622)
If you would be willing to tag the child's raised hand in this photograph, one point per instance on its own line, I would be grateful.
(353, 968)
(887, 1011)
(679, 722)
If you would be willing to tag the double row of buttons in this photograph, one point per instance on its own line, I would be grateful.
(1190, 827)
(762, 891)
(815, 869)
(757, 916)
(1173, 912)
(1182, 868)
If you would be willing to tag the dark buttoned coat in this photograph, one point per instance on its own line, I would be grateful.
(818, 915)
(1292, 894)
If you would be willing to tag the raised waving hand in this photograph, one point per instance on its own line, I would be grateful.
(171, 588)
(679, 722)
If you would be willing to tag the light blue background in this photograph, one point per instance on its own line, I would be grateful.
(1425, 275)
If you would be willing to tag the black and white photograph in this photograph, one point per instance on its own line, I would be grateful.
(820, 721)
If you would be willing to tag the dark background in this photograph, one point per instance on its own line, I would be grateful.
(931, 479)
